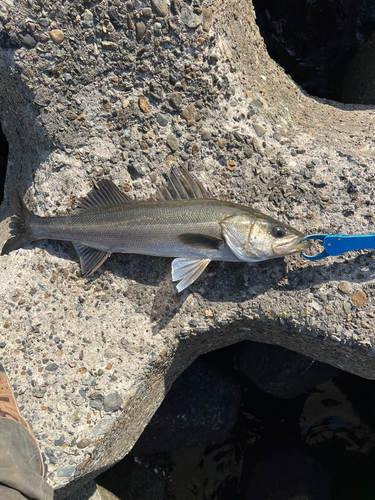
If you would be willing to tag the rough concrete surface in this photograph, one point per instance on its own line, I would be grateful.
(123, 91)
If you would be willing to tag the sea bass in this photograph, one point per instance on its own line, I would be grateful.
(180, 220)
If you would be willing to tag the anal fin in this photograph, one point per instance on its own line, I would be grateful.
(91, 258)
(186, 271)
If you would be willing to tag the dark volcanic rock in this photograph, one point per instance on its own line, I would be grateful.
(200, 409)
(282, 372)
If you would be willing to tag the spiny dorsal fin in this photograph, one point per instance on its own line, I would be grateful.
(181, 185)
(105, 195)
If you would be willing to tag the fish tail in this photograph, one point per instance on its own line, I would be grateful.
(22, 218)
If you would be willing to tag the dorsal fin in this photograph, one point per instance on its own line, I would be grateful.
(181, 185)
(106, 194)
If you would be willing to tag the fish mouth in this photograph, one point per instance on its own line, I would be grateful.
(294, 246)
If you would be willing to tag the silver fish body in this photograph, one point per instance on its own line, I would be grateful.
(148, 228)
(188, 226)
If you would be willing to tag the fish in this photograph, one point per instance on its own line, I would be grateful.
(180, 220)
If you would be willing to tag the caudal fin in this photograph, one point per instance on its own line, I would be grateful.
(22, 228)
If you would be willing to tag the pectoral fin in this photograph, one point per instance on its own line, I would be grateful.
(91, 258)
(186, 271)
(200, 241)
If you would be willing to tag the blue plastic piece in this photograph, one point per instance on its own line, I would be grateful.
(337, 244)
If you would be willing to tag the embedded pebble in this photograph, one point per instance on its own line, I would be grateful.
(39, 393)
(193, 322)
(57, 36)
(172, 142)
(157, 29)
(344, 287)
(109, 45)
(77, 415)
(206, 18)
(140, 29)
(129, 22)
(52, 367)
(113, 402)
(110, 353)
(62, 406)
(83, 443)
(71, 115)
(188, 115)
(102, 427)
(97, 403)
(27, 39)
(66, 471)
(147, 13)
(88, 19)
(359, 298)
(256, 104)
(259, 129)
(143, 104)
(189, 17)
(44, 21)
(60, 441)
(160, 7)
(256, 145)
(175, 99)
(50, 455)
(162, 119)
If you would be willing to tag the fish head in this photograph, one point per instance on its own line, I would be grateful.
(255, 236)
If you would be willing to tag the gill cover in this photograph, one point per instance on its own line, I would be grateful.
(256, 237)
(237, 233)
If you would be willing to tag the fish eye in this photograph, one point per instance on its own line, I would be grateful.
(278, 232)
